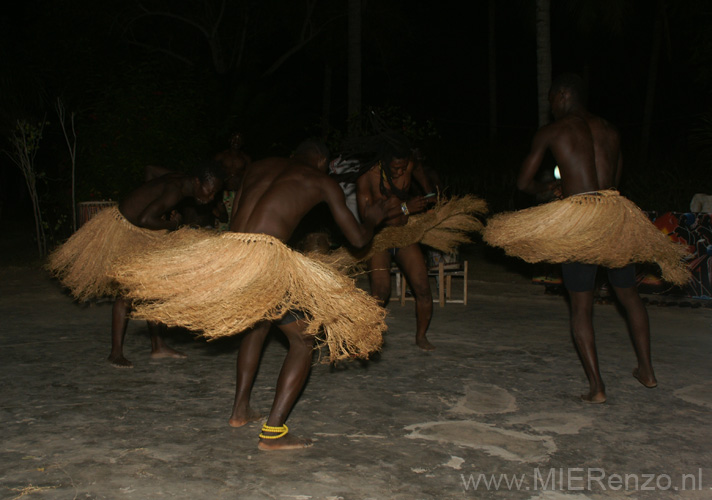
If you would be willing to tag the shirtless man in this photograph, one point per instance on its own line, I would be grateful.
(275, 195)
(151, 207)
(587, 150)
(234, 161)
(390, 179)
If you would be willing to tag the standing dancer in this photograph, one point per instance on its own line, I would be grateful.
(593, 225)
(391, 179)
(276, 193)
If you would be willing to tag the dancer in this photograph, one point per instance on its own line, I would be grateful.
(391, 179)
(234, 161)
(254, 280)
(276, 194)
(139, 222)
(573, 231)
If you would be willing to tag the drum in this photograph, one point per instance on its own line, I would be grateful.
(88, 209)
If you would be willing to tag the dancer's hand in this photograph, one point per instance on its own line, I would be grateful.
(419, 203)
(176, 217)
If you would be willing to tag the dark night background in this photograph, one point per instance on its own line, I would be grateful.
(147, 89)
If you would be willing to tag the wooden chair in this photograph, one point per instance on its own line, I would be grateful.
(444, 273)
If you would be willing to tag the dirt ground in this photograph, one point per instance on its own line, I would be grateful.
(496, 401)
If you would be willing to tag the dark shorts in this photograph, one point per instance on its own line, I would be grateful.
(582, 277)
(290, 317)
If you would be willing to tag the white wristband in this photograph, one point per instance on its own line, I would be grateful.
(404, 208)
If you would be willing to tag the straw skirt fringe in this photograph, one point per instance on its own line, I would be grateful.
(601, 228)
(82, 263)
(225, 283)
(444, 227)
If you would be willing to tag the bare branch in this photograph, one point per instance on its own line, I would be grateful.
(163, 50)
(171, 15)
(307, 18)
(72, 146)
(301, 43)
(218, 21)
(208, 30)
(239, 48)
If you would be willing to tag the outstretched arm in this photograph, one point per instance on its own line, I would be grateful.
(359, 235)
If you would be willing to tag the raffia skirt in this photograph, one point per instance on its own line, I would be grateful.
(444, 227)
(602, 228)
(83, 262)
(225, 283)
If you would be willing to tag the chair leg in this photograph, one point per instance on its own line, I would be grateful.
(464, 288)
(403, 285)
(441, 284)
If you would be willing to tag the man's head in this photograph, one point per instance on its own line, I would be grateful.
(567, 91)
(208, 179)
(314, 153)
(395, 154)
(236, 140)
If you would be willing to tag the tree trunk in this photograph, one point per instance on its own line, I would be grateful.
(492, 73)
(30, 182)
(326, 102)
(652, 81)
(39, 224)
(543, 57)
(354, 62)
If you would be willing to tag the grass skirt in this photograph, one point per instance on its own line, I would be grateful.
(601, 228)
(83, 262)
(223, 284)
(444, 227)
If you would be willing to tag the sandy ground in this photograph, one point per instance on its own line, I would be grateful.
(497, 400)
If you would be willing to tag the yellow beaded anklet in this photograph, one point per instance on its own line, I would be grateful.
(283, 430)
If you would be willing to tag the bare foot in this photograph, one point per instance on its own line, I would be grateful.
(424, 344)
(167, 352)
(118, 361)
(648, 381)
(594, 398)
(240, 420)
(287, 442)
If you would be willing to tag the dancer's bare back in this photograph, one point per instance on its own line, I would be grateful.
(276, 193)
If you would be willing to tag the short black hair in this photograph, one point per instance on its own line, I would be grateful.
(393, 145)
(209, 170)
(571, 82)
